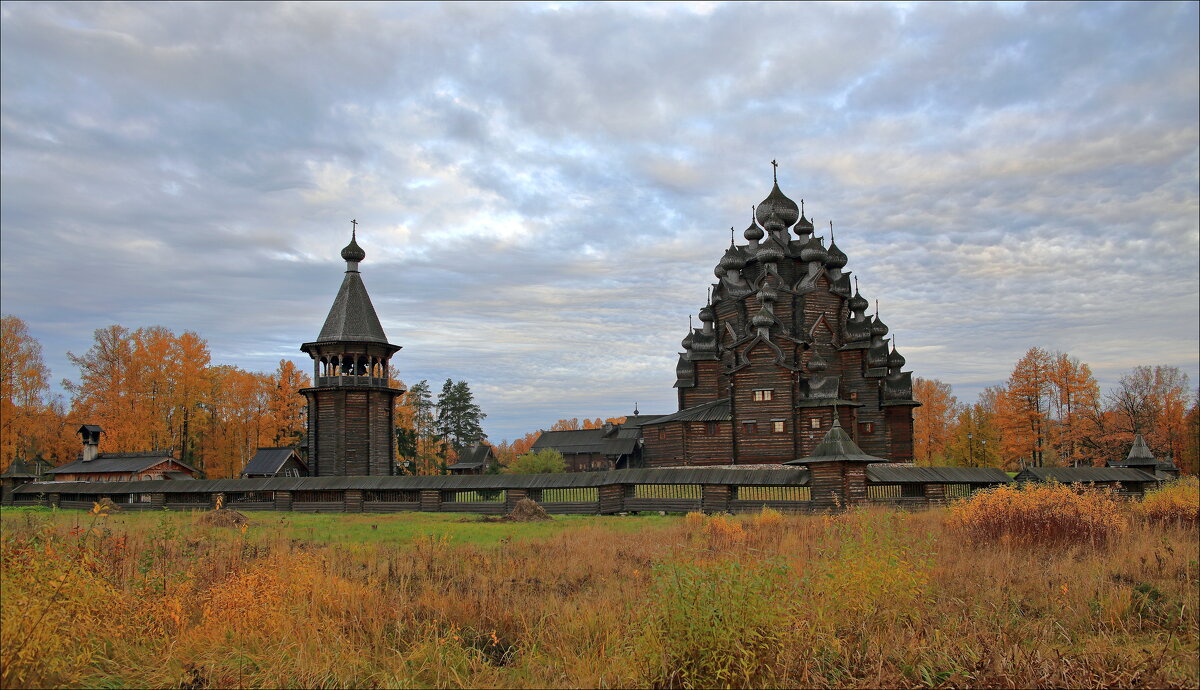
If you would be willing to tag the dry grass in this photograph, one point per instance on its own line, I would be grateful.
(1177, 502)
(1040, 514)
(870, 598)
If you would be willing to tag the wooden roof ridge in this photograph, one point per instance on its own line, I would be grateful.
(712, 411)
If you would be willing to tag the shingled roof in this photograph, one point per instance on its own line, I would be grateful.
(352, 316)
(20, 469)
(269, 460)
(1140, 456)
(475, 457)
(715, 411)
(118, 462)
(1084, 475)
(603, 441)
(837, 446)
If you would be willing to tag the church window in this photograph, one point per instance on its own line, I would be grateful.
(763, 395)
(814, 423)
(750, 427)
(777, 427)
(712, 428)
(866, 428)
(662, 432)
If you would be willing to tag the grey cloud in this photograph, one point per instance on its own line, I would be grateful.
(544, 192)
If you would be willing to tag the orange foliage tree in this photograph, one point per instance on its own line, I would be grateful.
(933, 420)
(1023, 407)
(32, 422)
(153, 390)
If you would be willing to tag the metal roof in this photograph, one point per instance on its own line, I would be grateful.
(1083, 475)
(270, 460)
(715, 411)
(837, 446)
(903, 474)
(680, 475)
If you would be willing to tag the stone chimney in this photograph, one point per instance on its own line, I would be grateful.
(90, 433)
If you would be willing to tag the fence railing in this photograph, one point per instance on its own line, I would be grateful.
(618, 491)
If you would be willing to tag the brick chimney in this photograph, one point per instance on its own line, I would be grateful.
(90, 433)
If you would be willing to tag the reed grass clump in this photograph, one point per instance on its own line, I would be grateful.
(1177, 502)
(1039, 515)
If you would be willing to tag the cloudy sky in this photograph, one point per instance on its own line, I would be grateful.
(543, 190)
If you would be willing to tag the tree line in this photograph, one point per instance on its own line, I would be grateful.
(1051, 411)
(152, 389)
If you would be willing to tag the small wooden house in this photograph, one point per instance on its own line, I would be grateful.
(1141, 458)
(473, 460)
(610, 447)
(21, 472)
(94, 466)
(275, 462)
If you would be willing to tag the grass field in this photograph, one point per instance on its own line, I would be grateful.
(869, 598)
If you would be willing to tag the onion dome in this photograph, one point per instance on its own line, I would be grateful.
(774, 224)
(778, 203)
(816, 365)
(686, 343)
(732, 261)
(878, 327)
(858, 302)
(766, 293)
(813, 251)
(770, 251)
(706, 313)
(353, 252)
(804, 226)
(753, 232)
(763, 319)
(895, 359)
(836, 258)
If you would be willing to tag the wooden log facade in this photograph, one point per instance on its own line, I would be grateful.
(353, 397)
(785, 347)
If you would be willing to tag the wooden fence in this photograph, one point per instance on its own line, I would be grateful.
(590, 493)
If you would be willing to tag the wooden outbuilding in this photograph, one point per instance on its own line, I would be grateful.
(473, 460)
(1141, 458)
(276, 462)
(94, 466)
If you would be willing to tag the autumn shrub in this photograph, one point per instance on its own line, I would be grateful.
(767, 519)
(723, 531)
(1177, 502)
(712, 624)
(1039, 514)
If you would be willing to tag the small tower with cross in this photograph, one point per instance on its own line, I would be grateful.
(352, 400)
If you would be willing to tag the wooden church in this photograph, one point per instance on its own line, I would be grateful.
(785, 347)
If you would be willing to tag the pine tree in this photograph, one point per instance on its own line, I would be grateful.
(459, 419)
